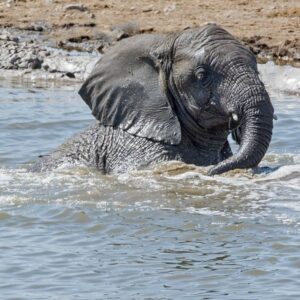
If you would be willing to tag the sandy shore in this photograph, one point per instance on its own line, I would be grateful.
(271, 28)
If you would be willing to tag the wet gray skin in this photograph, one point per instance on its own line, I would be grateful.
(172, 97)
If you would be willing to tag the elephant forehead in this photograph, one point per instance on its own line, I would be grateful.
(219, 54)
(229, 51)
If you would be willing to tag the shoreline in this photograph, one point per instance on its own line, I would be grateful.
(45, 49)
(23, 58)
(31, 56)
(270, 29)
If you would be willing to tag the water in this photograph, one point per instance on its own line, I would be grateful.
(167, 233)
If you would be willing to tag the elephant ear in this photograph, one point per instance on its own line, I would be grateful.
(126, 90)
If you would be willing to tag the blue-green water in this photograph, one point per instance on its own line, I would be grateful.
(168, 233)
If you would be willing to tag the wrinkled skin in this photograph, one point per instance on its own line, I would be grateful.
(173, 97)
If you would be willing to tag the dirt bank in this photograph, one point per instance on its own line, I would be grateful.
(271, 28)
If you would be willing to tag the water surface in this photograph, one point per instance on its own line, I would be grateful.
(167, 233)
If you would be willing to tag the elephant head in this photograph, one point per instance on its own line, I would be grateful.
(201, 83)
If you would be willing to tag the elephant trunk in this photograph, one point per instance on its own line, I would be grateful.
(255, 135)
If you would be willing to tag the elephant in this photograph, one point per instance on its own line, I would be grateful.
(176, 96)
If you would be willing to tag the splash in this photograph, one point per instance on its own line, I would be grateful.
(280, 78)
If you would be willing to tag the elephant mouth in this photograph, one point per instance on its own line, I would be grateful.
(216, 120)
(213, 117)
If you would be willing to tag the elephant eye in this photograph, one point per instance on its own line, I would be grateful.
(204, 76)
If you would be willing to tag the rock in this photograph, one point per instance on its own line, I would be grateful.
(23, 65)
(15, 39)
(40, 26)
(20, 55)
(98, 41)
(30, 58)
(35, 63)
(288, 52)
(282, 52)
(10, 3)
(125, 30)
(147, 30)
(6, 37)
(13, 59)
(121, 35)
(79, 39)
(70, 75)
(169, 9)
(45, 67)
(74, 6)
(145, 10)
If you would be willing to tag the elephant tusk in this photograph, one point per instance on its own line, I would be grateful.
(235, 117)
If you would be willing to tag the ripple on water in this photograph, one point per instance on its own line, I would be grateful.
(173, 229)
(170, 232)
(168, 186)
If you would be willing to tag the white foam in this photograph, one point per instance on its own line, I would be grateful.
(236, 194)
(290, 171)
(4, 178)
(204, 211)
(187, 175)
(280, 78)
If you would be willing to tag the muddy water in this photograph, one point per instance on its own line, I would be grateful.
(167, 233)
